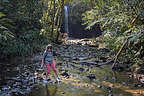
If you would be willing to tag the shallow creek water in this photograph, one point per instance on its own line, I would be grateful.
(78, 69)
(105, 83)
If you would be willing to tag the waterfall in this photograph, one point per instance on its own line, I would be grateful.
(66, 20)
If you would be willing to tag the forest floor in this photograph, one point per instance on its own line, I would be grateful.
(79, 65)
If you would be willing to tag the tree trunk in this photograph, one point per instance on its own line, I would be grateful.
(53, 16)
(59, 19)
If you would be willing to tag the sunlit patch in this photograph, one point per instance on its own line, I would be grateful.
(77, 83)
(38, 75)
(115, 85)
(139, 77)
(101, 46)
(70, 79)
(136, 92)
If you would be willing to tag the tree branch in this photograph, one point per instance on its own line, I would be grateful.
(117, 55)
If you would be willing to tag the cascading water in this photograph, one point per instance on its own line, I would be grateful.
(72, 23)
(66, 20)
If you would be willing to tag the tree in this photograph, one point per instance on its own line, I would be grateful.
(120, 19)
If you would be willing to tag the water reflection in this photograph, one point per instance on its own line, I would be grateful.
(52, 92)
(114, 76)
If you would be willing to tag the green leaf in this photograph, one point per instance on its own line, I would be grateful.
(1, 14)
(135, 37)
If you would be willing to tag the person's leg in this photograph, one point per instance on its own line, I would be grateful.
(48, 70)
(53, 65)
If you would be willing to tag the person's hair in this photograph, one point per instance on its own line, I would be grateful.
(48, 46)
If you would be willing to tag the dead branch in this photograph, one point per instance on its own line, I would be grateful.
(135, 19)
(117, 55)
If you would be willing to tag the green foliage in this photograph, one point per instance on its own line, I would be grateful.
(5, 26)
(20, 28)
(119, 19)
(2, 14)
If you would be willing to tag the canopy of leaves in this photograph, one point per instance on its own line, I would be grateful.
(20, 27)
(120, 19)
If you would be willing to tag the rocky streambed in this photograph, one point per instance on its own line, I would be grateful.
(79, 66)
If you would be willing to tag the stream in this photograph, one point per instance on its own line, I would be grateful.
(80, 70)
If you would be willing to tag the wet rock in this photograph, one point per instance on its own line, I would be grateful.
(110, 86)
(25, 82)
(99, 86)
(141, 79)
(138, 85)
(116, 95)
(38, 70)
(91, 76)
(21, 93)
(82, 58)
(93, 45)
(105, 78)
(17, 84)
(24, 87)
(109, 95)
(114, 77)
(97, 61)
(65, 74)
(81, 69)
(105, 50)
(124, 83)
(59, 63)
(6, 94)
(118, 68)
(68, 65)
(103, 59)
(87, 63)
(6, 88)
(61, 69)
(13, 93)
(86, 69)
(62, 92)
(75, 58)
(140, 71)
